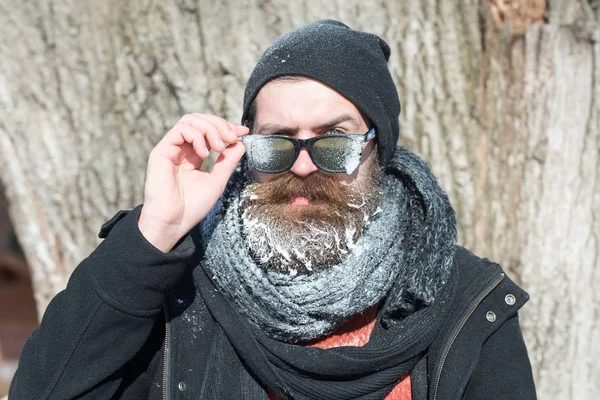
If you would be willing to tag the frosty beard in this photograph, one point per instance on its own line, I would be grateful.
(298, 239)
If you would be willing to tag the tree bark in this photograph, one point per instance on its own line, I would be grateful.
(501, 97)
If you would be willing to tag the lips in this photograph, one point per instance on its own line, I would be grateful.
(300, 201)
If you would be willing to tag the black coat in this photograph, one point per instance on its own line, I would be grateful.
(104, 336)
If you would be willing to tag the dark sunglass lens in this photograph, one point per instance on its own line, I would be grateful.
(337, 154)
(270, 154)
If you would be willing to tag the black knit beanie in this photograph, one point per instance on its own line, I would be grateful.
(352, 62)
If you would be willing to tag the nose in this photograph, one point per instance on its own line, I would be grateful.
(303, 165)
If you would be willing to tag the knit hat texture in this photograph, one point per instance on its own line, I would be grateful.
(352, 62)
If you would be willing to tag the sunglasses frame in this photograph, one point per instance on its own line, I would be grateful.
(308, 144)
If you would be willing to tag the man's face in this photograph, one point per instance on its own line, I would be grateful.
(303, 109)
(304, 218)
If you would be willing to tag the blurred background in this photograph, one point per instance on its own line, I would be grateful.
(501, 97)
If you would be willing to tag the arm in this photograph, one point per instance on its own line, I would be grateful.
(94, 328)
(503, 370)
(103, 317)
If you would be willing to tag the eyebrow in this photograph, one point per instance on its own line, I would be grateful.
(289, 131)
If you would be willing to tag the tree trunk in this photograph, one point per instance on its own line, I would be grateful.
(501, 97)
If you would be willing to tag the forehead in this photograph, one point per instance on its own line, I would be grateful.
(301, 103)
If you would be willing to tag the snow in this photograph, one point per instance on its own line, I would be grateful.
(357, 206)
(264, 154)
(303, 244)
(353, 158)
(261, 154)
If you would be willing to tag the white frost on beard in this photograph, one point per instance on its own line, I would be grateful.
(357, 206)
(295, 247)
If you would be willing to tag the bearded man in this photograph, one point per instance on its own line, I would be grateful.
(321, 265)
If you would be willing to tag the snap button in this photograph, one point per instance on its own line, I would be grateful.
(490, 316)
(182, 386)
(510, 299)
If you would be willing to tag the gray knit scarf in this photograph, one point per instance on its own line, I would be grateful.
(404, 256)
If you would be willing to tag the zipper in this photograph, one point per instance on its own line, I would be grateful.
(487, 290)
(166, 354)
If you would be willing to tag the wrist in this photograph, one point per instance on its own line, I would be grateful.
(163, 236)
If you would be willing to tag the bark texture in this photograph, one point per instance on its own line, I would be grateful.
(500, 96)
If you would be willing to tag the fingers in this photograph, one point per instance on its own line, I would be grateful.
(239, 130)
(228, 134)
(227, 162)
(218, 132)
(192, 136)
(204, 133)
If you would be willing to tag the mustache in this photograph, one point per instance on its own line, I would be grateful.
(317, 187)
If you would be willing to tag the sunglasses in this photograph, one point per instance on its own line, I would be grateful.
(333, 152)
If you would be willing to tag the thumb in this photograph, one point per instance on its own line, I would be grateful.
(227, 162)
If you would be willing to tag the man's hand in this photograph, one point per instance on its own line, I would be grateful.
(177, 194)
